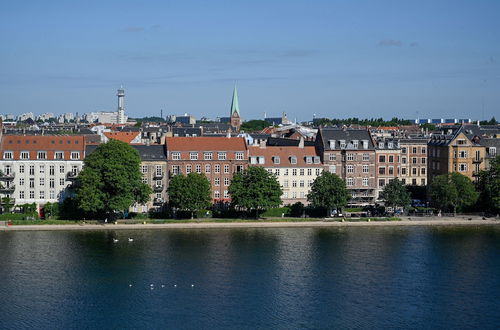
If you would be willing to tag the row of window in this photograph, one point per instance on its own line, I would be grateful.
(414, 150)
(294, 171)
(7, 169)
(158, 169)
(301, 183)
(350, 168)
(217, 194)
(383, 182)
(294, 194)
(354, 144)
(193, 155)
(74, 155)
(176, 169)
(52, 182)
(41, 194)
(291, 159)
(349, 157)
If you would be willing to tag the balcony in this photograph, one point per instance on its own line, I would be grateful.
(72, 175)
(158, 175)
(7, 176)
(8, 189)
(158, 201)
(158, 187)
(12, 201)
(476, 173)
(477, 160)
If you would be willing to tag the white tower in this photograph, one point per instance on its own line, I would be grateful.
(121, 106)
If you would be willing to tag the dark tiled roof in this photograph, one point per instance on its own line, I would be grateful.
(147, 153)
(348, 135)
(282, 142)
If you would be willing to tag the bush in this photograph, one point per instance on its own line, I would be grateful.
(276, 212)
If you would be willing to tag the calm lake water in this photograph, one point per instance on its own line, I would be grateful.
(296, 278)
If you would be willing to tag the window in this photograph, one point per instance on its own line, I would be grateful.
(52, 170)
(52, 194)
(403, 150)
(381, 159)
(366, 169)
(176, 155)
(462, 167)
(355, 144)
(302, 195)
(216, 194)
(301, 171)
(391, 170)
(350, 168)
(381, 182)
(61, 169)
(21, 168)
(59, 155)
(217, 182)
(366, 157)
(226, 182)
(32, 169)
(309, 183)
(145, 180)
(286, 172)
(332, 169)
(8, 155)
(74, 169)
(8, 169)
(294, 172)
(25, 155)
(198, 168)
(390, 145)
(309, 171)
(350, 156)
(226, 194)
(391, 159)
(381, 145)
(316, 160)
(193, 156)
(61, 182)
(21, 181)
(277, 172)
(222, 155)
(32, 182)
(189, 168)
(403, 160)
(52, 183)
(462, 154)
(403, 171)
(276, 160)
(262, 160)
(492, 151)
(207, 168)
(226, 169)
(207, 155)
(144, 169)
(217, 168)
(301, 183)
(423, 150)
(42, 194)
(253, 160)
(342, 144)
(414, 181)
(176, 169)
(414, 150)
(285, 183)
(32, 194)
(422, 182)
(75, 155)
(381, 170)
(159, 170)
(294, 183)
(350, 182)
(42, 181)
(414, 160)
(42, 169)
(414, 171)
(422, 170)
(294, 194)
(285, 194)
(293, 160)
(21, 194)
(332, 157)
(423, 160)
(318, 171)
(41, 155)
(365, 182)
(309, 160)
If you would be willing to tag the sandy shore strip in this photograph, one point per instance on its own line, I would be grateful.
(405, 221)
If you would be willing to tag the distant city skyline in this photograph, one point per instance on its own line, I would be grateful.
(334, 59)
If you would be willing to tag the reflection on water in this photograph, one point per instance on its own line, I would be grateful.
(252, 278)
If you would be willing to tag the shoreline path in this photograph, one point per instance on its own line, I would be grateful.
(405, 221)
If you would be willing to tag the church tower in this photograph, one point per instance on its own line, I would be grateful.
(235, 111)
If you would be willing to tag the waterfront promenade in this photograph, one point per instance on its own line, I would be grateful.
(213, 224)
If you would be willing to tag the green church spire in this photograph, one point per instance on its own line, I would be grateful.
(234, 103)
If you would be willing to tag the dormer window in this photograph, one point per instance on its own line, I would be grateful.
(59, 155)
(239, 155)
(390, 145)
(293, 160)
(207, 155)
(365, 144)
(8, 155)
(75, 155)
(176, 155)
(193, 156)
(276, 159)
(316, 160)
(308, 160)
(262, 160)
(332, 144)
(25, 155)
(41, 155)
(253, 160)
(342, 144)
(355, 144)
(381, 145)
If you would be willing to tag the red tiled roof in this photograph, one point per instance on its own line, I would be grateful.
(49, 143)
(201, 143)
(126, 137)
(284, 153)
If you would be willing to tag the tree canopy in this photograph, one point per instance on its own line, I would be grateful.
(254, 125)
(255, 190)
(489, 187)
(396, 194)
(328, 191)
(110, 180)
(452, 191)
(189, 193)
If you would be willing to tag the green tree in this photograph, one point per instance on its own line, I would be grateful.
(452, 191)
(328, 191)
(110, 180)
(189, 193)
(51, 210)
(489, 187)
(7, 204)
(255, 190)
(395, 194)
(254, 125)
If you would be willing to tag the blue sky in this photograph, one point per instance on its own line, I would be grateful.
(329, 58)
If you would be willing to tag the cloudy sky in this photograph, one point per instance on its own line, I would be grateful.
(329, 58)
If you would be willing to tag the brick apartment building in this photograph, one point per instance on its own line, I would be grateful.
(350, 154)
(388, 161)
(216, 157)
(414, 161)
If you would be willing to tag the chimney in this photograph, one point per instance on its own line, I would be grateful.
(301, 142)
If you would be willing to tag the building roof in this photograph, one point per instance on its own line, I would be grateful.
(235, 107)
(34, 143)
(126, 137)
(284, 142)
(147, 153)
(203, 143)
(285, 155)
(327, 134)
